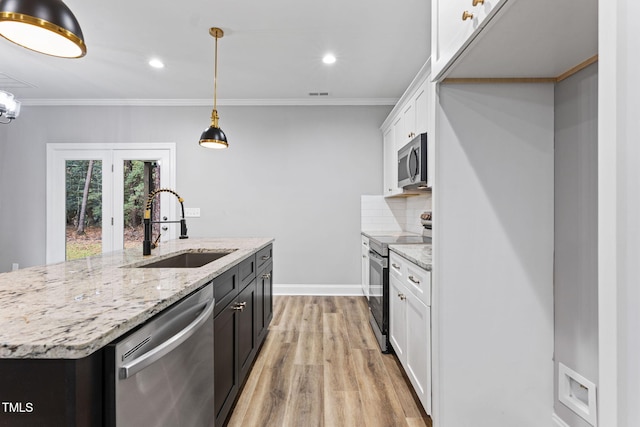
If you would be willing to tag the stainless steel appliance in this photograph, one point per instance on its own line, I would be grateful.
(379, 282)
(412, 164)
(162, 373)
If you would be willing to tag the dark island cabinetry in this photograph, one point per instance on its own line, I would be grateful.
(240, 326)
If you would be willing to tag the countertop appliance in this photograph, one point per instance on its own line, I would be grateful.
(412, 164)
(162, 373)
(379, 282)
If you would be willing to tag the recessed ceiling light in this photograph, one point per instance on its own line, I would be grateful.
(156, 63)
(329, 59)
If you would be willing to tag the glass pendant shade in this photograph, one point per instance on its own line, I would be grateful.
(45, 26)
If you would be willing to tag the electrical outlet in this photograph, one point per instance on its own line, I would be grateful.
(192, 212)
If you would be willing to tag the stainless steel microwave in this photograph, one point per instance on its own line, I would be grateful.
(412, 164)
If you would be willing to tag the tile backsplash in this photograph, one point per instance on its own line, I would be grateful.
(378, 213)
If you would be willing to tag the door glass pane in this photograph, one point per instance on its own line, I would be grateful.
(140, 178)
(83, 186)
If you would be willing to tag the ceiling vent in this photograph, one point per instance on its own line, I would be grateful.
(8, 82)
(318, 93)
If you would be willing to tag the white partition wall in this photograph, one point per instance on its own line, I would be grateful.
(493, 256)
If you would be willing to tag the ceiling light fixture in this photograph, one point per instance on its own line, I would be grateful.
(214, 137)
(156, 63)
(9, 107)
(329, 59)
(45, 26)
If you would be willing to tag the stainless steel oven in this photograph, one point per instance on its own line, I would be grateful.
(379, 297)
(379, 282)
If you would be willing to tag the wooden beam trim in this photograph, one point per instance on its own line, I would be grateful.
(485, 80)
(577, 68)
(473, 80)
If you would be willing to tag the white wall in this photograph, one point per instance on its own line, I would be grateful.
(294, 173)
(576, 231)
(618, 207)
(493, 256)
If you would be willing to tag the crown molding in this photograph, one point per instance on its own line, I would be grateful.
(208, 103)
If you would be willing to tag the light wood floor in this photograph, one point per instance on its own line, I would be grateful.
(321, 366)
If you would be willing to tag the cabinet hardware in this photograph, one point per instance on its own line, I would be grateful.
(402, 297)
(239, 306)
(414, 280)
(394, 265)
(268, 275)
(467, 15)
(477, 2)
(265, 257)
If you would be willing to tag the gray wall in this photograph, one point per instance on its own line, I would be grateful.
(576, 230)
(294, 173)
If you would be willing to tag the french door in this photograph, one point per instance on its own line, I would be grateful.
(96, 194)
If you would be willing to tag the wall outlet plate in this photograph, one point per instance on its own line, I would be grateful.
(578, 394)
(192, 212)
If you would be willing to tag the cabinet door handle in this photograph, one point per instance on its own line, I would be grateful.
(402, 297)
(414, 280)
(268, 275)
(265, 257)
(467, 15)
(477, 2)
(394, 265)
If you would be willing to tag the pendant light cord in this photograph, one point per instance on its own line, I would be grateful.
(215, 78)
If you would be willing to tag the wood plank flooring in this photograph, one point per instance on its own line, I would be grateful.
(321, 366)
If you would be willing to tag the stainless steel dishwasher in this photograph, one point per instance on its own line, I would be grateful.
(162, 373)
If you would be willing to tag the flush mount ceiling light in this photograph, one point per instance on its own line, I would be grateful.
(214, 137)
(156, 63)
(329, 58)
(9, 107)
(45, 26)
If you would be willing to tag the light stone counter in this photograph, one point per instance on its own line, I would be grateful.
(419, 254)
(71, 309)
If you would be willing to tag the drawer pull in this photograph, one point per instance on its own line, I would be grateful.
(239, 306)
(467, 15)
(402, 296)
(266, 276)
(414, 280)
(265, 257)
(396, 266)
(477, 2)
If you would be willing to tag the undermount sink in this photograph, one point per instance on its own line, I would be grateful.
(186, 260)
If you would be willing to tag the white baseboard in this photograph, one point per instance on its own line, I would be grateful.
(557, 421)
(317, 289)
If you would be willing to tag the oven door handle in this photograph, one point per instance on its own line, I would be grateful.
(378, 259)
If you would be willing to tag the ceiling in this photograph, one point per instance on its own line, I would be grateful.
(271, 53)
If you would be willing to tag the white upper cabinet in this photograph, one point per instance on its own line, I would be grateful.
(540, 39)
(390, 166)
(412, 115)
(454, 22)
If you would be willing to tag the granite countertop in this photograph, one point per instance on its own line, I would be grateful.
(419, 254)
(71, 309)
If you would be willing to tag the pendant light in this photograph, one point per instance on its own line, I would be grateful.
(45, 26)
(214, 137)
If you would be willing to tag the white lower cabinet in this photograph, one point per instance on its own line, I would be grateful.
(410, 323)
(365, 266)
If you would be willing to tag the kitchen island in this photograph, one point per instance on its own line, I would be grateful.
(56, 319)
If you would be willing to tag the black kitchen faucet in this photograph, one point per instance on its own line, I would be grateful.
(147, 245)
